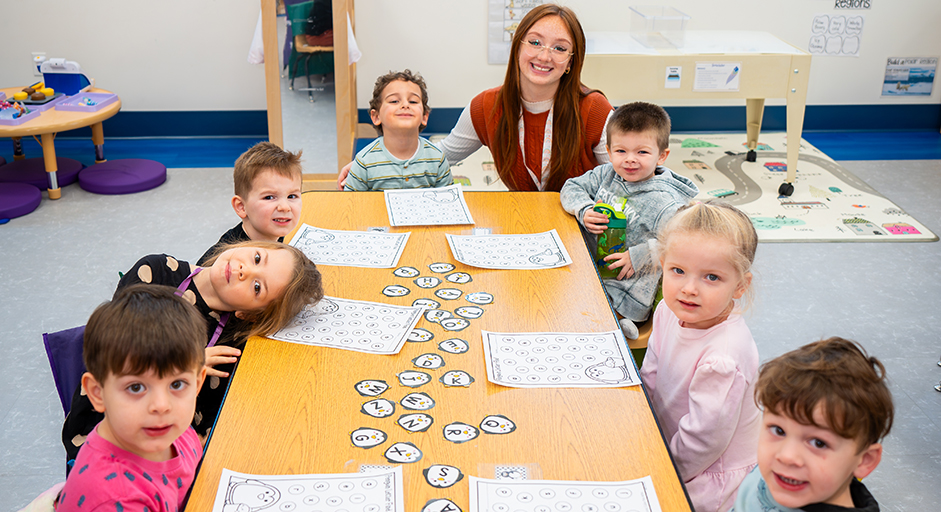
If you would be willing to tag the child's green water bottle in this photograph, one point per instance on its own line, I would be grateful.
(611, 240)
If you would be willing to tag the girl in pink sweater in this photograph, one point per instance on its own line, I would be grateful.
(702, 362)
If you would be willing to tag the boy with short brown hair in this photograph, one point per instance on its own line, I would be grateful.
(400, 157)
(826, 407)
(144, 353)
(267, 196)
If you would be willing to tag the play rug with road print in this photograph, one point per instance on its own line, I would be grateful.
(829, 204)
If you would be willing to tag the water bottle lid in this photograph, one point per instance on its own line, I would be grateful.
(616, 219)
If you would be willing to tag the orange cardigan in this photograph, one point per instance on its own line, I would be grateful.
(594, 109)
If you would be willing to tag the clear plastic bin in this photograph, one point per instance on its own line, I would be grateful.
(658, 26)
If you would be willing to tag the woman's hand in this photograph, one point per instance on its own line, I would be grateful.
(595, 222)
(217, 355)
(344, 172)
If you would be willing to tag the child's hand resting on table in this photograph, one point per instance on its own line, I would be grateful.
(220, 354)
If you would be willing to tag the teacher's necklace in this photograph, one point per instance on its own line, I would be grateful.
(546, 151)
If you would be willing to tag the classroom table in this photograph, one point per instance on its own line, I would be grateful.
(290, 408)
(52, 121)
(769, 68)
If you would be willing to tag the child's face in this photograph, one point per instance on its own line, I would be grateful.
(272, 207)
(401, 110)
(635, 155)
(145, 414)
(699, 280)
(804, 464)
(249, 278)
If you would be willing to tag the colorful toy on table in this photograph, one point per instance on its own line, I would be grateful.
(611, 241)
(13, 110)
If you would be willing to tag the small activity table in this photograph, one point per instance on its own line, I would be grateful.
(770, 68)
(290, 408)
(52, 121)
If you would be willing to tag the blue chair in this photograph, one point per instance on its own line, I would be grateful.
(64, 350)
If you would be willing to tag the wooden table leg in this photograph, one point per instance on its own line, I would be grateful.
(796, 101)
(49, 158)
(754, 111)
(98, 139)
(18, 149)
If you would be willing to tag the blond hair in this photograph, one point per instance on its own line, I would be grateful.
(717, 220)
(265, 156)
(305, 287)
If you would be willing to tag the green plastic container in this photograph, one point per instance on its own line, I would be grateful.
(611, 241)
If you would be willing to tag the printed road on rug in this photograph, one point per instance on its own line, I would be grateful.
(829, 203)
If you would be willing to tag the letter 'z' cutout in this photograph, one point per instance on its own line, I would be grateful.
(378, 408)
(415, 422)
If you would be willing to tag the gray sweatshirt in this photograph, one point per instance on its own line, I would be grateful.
(648, 205)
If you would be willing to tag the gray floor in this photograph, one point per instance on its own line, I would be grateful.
(59, 262)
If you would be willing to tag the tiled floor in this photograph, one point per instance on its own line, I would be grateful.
(59, 262)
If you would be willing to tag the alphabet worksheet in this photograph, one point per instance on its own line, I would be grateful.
(352, 325)
(558, 360)
(526, 252)
(427, 206)
(563, 496)
(350, 248)
(369, 492)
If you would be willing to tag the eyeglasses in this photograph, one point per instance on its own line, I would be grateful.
(556, 53)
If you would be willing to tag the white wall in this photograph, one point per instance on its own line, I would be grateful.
(157, 55)
(446, 40)
(191, 55)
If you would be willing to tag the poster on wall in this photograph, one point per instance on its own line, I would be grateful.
(911, 76)
(836, 35)
(502, 19)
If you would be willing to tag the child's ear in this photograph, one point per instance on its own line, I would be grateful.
(200, 377)
(93, 389)
(424, 118)
(746, 282)
(869, 459)
(239, 206)
(663, 156)
(240, 315)
(374, 115)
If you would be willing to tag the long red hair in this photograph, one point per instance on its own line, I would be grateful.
(566, 121)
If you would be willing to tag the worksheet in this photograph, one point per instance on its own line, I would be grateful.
(427, 206)
(558, 360)
(527, 252)
(369, 492)
(350, 248)
(563, 496)
(352, 325)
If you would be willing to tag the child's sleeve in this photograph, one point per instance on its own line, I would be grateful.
(444, 173)
(357, 179)
(716, 397)
(578, 193)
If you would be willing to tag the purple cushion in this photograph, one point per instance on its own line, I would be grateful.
(124, 176)
(33, 171)
(18, 199)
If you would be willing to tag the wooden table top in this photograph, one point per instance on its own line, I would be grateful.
(53, 120)
(291, 408)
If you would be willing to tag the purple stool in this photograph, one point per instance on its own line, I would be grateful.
(33, 171)
(18, 199)
(124, 176)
